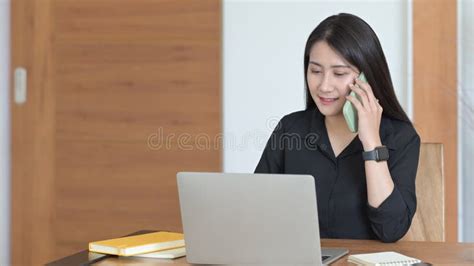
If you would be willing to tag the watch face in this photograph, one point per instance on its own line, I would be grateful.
(381, 153)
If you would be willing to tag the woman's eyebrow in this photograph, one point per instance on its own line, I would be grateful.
(333, 66)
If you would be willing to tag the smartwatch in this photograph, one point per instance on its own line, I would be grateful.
(380, 153)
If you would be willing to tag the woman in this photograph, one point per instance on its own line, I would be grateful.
(365, 181)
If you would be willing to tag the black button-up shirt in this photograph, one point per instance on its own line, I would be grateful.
(300, 145)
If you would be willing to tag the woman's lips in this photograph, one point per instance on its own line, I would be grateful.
(327, 101)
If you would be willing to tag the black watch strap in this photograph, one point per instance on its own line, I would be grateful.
(378, 154)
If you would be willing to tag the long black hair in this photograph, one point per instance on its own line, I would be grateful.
(355, 40)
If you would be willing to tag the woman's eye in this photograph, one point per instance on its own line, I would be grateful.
(315, 71)
(340, 74)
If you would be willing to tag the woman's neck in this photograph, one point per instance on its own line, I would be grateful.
(337, 125)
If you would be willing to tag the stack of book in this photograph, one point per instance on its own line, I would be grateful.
(162, 245)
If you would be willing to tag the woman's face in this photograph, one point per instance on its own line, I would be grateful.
(329, 76)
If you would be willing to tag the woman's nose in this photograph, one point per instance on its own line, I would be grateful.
(324, 85)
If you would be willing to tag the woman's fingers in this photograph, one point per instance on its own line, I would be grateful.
(368, 90)
(357, 104)
(362, 95)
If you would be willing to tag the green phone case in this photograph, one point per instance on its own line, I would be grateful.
(350, 112)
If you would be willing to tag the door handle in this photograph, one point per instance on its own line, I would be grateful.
(20, 85)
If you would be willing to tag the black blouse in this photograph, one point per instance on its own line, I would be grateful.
(300, 145)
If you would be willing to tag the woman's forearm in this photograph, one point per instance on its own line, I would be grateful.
(379, 181)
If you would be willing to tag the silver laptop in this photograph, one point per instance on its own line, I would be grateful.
(241, 219)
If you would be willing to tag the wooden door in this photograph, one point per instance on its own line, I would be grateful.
(122, 94)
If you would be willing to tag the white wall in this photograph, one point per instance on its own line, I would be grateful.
(4, 132)
(263, 63)
(466, 123)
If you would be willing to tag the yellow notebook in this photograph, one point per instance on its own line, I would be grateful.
(139, 244)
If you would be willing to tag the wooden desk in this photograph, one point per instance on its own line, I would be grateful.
(432, 252)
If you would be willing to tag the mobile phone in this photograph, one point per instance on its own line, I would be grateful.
(349, 110)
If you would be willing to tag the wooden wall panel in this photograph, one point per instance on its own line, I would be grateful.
(119, 187)
(108, 78)
(32, 191)
(434, 89)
